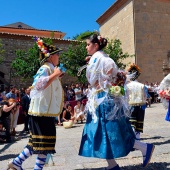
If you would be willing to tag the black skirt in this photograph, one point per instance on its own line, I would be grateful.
(42, 135)
(137, 118)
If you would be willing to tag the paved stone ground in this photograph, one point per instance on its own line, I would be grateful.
(156, 131)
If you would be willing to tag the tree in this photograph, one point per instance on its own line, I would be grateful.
(115, 52)
(74, 58)
(27, 62)
(83, 35)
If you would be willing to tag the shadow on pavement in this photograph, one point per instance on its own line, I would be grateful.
(151, 166)
(157, 143)
(10, 156)
(16, 138)
(155, 137)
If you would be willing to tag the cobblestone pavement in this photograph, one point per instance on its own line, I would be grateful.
(156, 131)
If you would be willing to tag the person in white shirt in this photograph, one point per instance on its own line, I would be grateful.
(79, 111)
(78, 92)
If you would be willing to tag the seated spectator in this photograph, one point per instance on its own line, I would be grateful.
(68, 114)
(59, 118)
(5, 117)
(79, 111)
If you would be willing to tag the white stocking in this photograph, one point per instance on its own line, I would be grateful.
(111, 163)
(140, 146)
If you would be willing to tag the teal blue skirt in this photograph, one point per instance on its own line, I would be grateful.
(107, 139)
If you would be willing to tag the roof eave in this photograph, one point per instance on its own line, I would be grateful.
(110, 11)
(32, 32)
(26, 35)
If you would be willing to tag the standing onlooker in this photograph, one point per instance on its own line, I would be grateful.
(1, 97)
(151, 92)
(78, 92)
(84, 91)
(5, 92)
(5, 117)
(22, 92)
(25, 102)
(15, 112)
(70, 94)
(11, 94)
(72, 88)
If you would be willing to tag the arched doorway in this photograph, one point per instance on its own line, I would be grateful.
(3, 82)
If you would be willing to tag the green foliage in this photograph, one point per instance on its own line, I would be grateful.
(1, 52)
(27, 63)
(82, 36)
(74, 58)
(115, 52)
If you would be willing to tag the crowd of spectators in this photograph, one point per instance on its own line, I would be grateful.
(75, 97)
(12, 104)
(15, 102)
(153, 89)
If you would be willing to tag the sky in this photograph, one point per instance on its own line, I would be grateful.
(72, 17)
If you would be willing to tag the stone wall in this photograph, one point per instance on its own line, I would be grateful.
(13, 43)
(144, 30)
(152, 34)
(120, 26)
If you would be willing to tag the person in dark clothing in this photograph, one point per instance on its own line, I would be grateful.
(22, 92)
(68, 113)
(70, 94)
(5, 117)
(25, 102)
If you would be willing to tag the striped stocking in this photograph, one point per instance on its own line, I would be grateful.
(40, 161)
(22, 157)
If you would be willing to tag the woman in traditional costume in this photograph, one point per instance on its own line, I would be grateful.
(108, 133)
(46, 103)
(164, 93)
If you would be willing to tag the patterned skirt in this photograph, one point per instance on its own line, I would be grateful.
(106, 139)
(137, 118)
(42, 135)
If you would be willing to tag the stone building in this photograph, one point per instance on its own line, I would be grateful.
(143, 26)
(20, 36)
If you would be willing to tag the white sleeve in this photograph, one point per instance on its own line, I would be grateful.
(40, 81)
